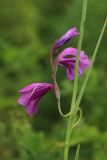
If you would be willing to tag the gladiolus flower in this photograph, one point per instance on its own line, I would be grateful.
(67, 58)
(31, 94)
(65, 38)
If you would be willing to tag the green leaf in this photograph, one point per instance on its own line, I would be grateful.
(92, 62)
(77, 153)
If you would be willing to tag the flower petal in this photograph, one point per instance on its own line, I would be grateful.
(32, 108)
(67, 52)
(70, 73)
(65, 38)
(84, 61)
(24, 99)
(67, 58)
(31, 94)
(40, 90)
(28, 88)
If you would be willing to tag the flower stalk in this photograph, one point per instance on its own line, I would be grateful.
(74, 108)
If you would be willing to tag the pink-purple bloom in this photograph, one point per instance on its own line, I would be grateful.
(31, 94)
(65, 38)
(67, 58)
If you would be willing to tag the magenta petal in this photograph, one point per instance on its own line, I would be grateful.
(28, 88)
(65, 38)
(31, 94)
(32, 108)
(67, 52)
(70, 74)
(80, 72)
(24, 99)
(84, 61)
(67, 58)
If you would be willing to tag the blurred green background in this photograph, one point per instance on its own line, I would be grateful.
(28, 29)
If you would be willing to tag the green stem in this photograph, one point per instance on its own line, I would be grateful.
(74, 109)
(92, 62)
(77, 153)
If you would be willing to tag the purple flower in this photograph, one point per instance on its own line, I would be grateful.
(31, 94)
(65, 38)
(67, 58)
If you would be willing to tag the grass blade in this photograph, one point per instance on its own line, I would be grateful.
(92, 62)
(77, 153)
